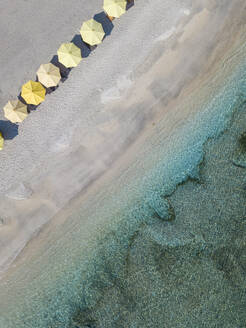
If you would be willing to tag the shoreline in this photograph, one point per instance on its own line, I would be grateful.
(53, 207)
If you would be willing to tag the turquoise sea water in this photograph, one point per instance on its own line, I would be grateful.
(173, 250)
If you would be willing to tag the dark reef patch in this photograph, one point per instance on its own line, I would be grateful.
(239, 158)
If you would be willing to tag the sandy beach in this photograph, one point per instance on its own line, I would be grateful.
(90, 129)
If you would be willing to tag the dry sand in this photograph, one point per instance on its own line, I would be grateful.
(89, 129)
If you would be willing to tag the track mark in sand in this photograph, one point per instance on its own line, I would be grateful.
(116, 92)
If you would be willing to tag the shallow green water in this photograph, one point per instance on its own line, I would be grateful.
(186, 272)
(173, 251)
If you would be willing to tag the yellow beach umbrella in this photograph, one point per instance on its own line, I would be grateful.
(115, 8)
(69, 55)
(33, 93)
(49, 75)
(15, 111)
(92, 32)
(1, 141)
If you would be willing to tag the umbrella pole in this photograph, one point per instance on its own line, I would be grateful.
(111, 18)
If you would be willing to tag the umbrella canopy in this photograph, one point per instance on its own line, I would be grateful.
(15, 111)
(33, 93)
(49, 75)
(115, 8)
(92, 32)
(69, 55)
(1, 141)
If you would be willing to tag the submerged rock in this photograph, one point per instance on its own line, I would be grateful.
(162, 207)
(239, 157)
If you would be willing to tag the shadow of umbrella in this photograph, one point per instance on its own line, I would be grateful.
(106, 23)
(85, 48)
(8, 129)
(29, 106)
(63, 70)
(130, 4)
(47, 90)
